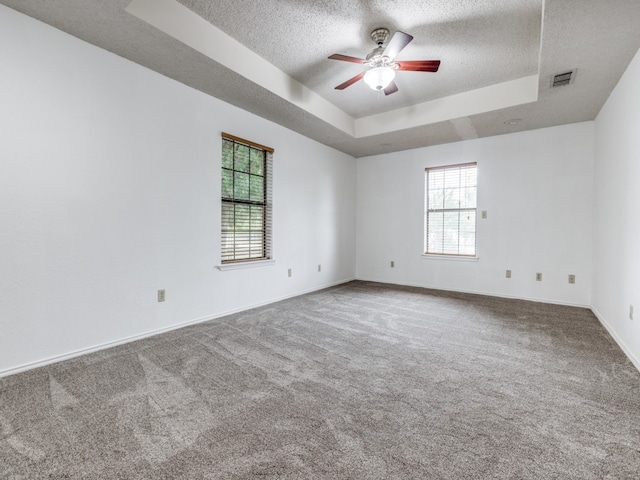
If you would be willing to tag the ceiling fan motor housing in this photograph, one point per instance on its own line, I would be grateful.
(382, 68)
(380, 36)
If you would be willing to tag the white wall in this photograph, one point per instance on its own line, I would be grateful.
(536, 188)
(110, 190)
(616, 246)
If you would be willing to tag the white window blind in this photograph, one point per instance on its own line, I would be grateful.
(246, 200)
(450, 210)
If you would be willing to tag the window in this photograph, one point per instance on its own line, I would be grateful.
(246, 200)
(450, 210)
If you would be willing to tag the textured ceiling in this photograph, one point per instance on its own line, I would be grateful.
(497, 41)
(480, 43)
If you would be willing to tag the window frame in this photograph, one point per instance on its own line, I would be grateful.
(427, 210)
(238, 260)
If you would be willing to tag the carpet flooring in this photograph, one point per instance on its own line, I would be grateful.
(359, 381)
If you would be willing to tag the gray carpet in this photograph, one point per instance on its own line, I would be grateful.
(358, 381)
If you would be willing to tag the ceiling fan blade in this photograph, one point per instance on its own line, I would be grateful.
(351, 81)
(346, 58)
(391, 88)
(397, 43)
(419, 65)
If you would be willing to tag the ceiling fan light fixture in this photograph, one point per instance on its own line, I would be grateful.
(382, 64)
(379, 78)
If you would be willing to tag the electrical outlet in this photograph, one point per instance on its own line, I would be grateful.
(319, 268)
(484, 214)
(572, 279)
(393, 264)
(289, 272)
(508, 274)
(538, 277)
(630, 312)
(161, 295)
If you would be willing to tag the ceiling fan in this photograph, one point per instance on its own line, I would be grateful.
(382, 69)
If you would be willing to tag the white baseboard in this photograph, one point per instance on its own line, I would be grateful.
(133, 338)
(475, 292)
(627, 351)
(59, 358)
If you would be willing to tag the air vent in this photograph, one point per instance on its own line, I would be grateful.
(562, 79)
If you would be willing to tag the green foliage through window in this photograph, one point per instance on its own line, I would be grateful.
(245, 201)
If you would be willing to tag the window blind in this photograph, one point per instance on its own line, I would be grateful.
(450, 210)
(246, 200)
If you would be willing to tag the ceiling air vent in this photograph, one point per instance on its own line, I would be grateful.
(562, 79)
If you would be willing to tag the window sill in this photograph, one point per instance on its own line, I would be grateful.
(456, 258)
(236, 266)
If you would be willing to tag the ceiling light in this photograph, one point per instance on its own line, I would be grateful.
(379, 78)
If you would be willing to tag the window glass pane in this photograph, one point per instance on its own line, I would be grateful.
(242, 217)
(468, 198)
(227, 215)
(467, 237)
(435, 232)
(241, 186)
(257, 244)
(436, 198)
(450, 233)
(246, 188)
(242, 231)
(257, 217)
(450, 216)
(227, 231)
(468, 177)
(241, 158)
(227, 183)
(451, 177)
(452, 197)
(227, 154)
(257, 162)
(257, 188)
(436, 178)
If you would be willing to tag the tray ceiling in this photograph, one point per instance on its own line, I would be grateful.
(270, 58)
